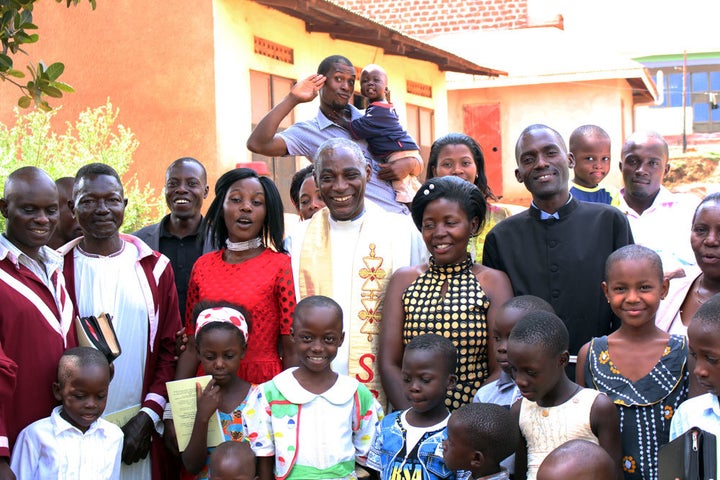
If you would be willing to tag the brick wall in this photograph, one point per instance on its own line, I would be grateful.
(431, 17)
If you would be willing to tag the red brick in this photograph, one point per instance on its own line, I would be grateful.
(427, 17)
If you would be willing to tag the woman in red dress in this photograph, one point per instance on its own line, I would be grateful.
(246, 215)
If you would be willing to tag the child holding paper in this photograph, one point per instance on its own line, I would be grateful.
(220, 338)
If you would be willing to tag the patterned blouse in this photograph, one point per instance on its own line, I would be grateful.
(459, 314)
(232, 428)
(645, 406)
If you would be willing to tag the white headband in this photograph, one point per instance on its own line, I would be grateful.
(222, 314)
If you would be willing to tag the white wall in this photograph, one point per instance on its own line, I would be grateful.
(665, 121)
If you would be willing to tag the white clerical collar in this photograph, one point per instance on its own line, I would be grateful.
(351, 220)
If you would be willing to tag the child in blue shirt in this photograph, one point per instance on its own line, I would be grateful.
(408, 443)
(590, 151)
(704, 338)
(503, 391)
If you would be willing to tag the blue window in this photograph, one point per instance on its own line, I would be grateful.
(673, 94)
(701, 112)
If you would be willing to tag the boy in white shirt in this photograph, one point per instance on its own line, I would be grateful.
(73, 442)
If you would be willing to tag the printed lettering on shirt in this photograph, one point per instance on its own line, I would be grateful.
(406, 471)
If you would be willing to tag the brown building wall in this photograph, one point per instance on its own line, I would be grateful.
(154, 60)
(432, 17)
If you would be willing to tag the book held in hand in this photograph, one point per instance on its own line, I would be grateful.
(98, 333)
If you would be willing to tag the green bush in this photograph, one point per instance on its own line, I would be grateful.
(92, 138)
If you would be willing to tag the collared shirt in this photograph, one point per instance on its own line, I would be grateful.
(389, 453)
(53, 448)
(561, 262)
(547, 216)
(182, 252)
(335, 427)
(665, 227)
(304, 138)
(702, 412)
(501, 475)
(502, 391)
(50, 262)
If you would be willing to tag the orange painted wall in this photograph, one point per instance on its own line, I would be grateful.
(154, 60)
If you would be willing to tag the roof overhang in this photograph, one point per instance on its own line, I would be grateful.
(643, 87)
(323, 16)
(545, 56)
(677, 59)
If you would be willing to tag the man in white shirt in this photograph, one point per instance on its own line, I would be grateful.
(660, 220)
(110, 272)
(348, 251)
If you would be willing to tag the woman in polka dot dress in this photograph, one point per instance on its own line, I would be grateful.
(450, 296)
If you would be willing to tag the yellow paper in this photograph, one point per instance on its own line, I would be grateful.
(121, 417)
(183, 404)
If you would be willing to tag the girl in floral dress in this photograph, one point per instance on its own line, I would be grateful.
(640, 367)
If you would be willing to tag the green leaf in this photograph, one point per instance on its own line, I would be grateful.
(22, 37)
(52, 91)
(15, 73)
(25, 18)
(45, 106)
(7, 17)
(6, 63)
(24, 101)
(63, 87)
(55, 70)
(41, 83)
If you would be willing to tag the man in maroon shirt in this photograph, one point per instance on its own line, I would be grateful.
(36, 313)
